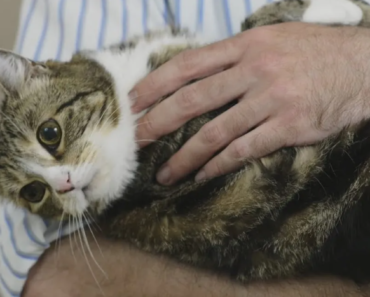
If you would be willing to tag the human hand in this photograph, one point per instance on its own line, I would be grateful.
(296, 84)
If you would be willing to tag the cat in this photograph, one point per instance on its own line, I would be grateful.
(68, 147)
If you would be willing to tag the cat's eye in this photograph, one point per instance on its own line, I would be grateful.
(33, 192)
(49, 134)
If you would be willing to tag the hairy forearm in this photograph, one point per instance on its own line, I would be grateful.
(130, 272)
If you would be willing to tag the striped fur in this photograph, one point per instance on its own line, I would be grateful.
(297, 211)
(69, 28)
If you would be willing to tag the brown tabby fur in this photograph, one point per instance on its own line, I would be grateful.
(298, 211)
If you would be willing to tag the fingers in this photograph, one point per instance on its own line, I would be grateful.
(188, 65)
(189, 102)
(260, 142)
(211, 138)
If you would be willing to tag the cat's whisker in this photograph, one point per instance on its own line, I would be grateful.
(92, 154)
(70, 237)
(86, 258)
(91, 218)
(143, 123)
(59, 240)
(147, 140)
(81, 164)
(92, 232)
(322, 186)
(109, 119)
(96, 126)
(106, 109)
(81, 167)
(88, 246)
(76, 230)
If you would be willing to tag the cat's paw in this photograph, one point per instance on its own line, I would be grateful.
(343, 12)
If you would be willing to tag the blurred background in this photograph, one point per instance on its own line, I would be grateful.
(9, 14)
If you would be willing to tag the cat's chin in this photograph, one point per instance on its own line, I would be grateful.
(81, 204)
(105, 189)
(97, 208)
(75, 202)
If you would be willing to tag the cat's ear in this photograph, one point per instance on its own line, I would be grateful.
(16, 71)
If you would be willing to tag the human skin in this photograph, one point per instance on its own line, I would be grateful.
(130, 272)
(296, 83)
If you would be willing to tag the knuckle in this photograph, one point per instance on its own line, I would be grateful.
(247, 69)
(270, 59)
(188, 99)
(267, 62)
(290, 97)
(241, 120)
(229, 46)
(148, 125)
(296, 112)
(261, 144)
(286, 90)
(152, 81)
(187, 62)
(212, 135)
(216, 169)
(290, 136)
(279, 90)
(256, 36)
(284, 135)
(238, 150)
(213, 88)
(180, 164)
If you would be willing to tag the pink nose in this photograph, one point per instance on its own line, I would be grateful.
(65, 187)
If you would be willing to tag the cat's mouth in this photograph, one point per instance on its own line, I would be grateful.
(76, 193)
(60, 192)
(84, 187)
(84, 190)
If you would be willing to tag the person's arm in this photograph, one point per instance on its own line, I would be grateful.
(131, 272)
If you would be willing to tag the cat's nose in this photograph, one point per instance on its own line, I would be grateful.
(65, 186)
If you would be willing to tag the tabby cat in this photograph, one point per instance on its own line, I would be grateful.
(68, 147)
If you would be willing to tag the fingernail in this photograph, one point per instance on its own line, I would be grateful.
(164, 175)
(200, 176)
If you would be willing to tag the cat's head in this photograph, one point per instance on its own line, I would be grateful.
(67, 140)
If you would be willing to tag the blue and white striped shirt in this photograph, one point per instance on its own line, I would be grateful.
(55, 29)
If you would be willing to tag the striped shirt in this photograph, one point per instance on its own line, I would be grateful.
(55, 29)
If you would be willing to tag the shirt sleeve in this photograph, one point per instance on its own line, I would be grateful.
(23, 239)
